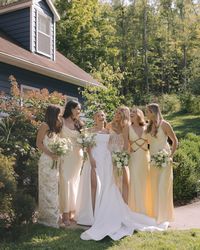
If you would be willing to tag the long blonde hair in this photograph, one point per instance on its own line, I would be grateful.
(125, 114)
(140, 116)
(155, 109)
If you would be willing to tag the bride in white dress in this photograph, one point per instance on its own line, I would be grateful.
(112, 217)
(91, 184)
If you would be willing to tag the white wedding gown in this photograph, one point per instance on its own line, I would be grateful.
(112, 217)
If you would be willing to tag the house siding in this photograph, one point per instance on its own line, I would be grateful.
(35, 80)
(17, 26)
(42, 5)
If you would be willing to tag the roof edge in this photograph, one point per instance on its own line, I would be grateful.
(15, 6)
(53, 9)
(24, 64)
(24, 4)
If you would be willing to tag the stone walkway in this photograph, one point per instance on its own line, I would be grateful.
(187, 217)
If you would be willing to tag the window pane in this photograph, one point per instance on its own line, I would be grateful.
(43, 24)
(44, 43)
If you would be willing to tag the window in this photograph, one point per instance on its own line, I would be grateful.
(71, 98)
(25, 89)
(43, 34)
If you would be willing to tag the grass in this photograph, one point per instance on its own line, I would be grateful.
(184, 123)
(43, 238)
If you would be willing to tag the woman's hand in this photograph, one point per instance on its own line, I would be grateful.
(53, 156)
(171, 158)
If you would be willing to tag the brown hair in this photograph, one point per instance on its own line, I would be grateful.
(155, 109)
(52, 120)
(72, 104)
(140, 116)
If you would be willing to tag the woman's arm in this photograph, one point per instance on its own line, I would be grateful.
(167, 128)
(42, 131)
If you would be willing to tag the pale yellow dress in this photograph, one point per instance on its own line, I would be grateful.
(161, 181)
(139, 189)
(116, 144)
(70, 172)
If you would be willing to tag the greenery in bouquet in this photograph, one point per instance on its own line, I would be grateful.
(120, 160)
(161, 159)
(60, 147)
(86, 140)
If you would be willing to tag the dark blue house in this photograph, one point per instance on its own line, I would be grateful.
(28, 50)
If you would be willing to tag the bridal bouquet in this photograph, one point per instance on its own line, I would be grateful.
(161, 159)
(60, 147)
(86, 140)
(120, 160)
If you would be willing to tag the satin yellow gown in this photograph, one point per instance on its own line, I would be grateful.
(70, 172)
(139, 187)
(161, 181)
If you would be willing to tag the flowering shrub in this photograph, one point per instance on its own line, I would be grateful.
(17, 139)
(7, 190)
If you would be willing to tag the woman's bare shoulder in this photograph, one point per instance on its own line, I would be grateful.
(43, 126)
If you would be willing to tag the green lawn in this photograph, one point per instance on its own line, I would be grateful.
(42, 238)
(184, 123)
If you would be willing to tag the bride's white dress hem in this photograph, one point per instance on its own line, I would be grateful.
(112, 217)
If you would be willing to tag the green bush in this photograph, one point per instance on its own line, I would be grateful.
(187, 169)
(169, 103)
(7, 190)
(106, 99)
(190, 103)
(23, 207)
(19, 188)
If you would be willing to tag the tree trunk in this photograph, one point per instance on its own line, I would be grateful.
(146, 69)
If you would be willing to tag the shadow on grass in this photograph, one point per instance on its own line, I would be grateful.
(41, 237)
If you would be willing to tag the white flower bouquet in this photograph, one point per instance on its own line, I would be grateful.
(120, 160)
(86, 140)
(60, 147)
(161, 159)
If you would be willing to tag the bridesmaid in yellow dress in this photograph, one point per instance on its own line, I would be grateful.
(159, 131)
(139, 187)
(118, 128)
(71, 163)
